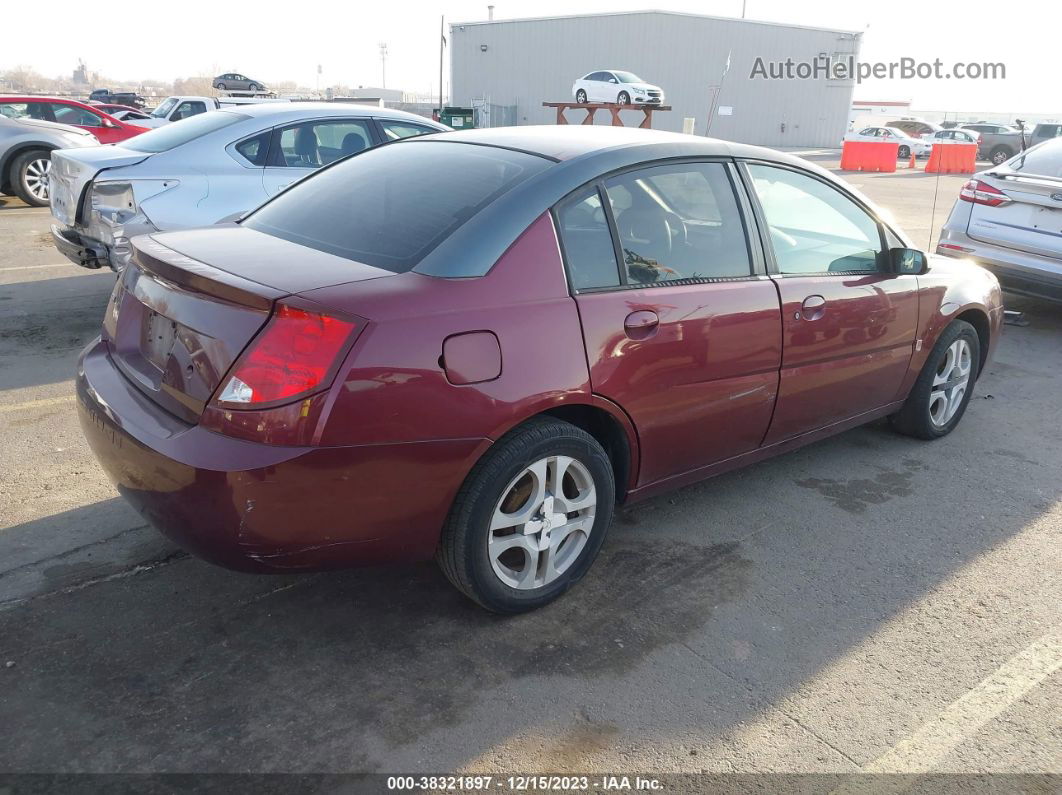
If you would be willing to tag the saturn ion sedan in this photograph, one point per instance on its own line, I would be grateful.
(472, 346)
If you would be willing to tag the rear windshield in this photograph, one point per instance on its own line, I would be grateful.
(1044, 160)
(181, 132)
(390, 206)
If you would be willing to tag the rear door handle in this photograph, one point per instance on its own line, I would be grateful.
(813, 307)
(641, 324)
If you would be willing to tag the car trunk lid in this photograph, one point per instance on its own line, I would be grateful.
(1031, 221)
(72, 171)
(177, 323)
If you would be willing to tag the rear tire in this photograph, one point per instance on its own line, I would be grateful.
(943, 389)
(530, 517)
(29, 176)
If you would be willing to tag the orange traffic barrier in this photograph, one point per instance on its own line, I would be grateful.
(949, 158)
(869, 156)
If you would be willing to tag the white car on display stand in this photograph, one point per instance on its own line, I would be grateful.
(618, 87)
(908, 145)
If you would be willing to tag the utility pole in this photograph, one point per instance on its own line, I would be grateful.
(442, 46)
(383, 64)
(743, 8)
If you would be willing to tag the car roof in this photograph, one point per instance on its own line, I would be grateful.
(283, 110)
(566, 142)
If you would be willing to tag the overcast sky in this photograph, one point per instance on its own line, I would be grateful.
(275, 40)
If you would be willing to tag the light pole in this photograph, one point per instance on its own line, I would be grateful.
(383, 64)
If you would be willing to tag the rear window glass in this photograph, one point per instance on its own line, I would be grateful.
(390, 206)
(1044, 160)
(181, 132)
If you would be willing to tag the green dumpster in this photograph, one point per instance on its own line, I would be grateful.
(458, 118)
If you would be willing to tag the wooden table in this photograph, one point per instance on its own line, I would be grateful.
(592, 108)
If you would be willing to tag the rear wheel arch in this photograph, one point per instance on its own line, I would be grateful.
(11, 156)
(609, 432)
(609, 426)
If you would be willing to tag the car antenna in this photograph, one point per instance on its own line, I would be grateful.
(936, 192)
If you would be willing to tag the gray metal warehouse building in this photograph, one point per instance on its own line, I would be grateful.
(508, 68)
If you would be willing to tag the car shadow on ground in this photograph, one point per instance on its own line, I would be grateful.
(45, 323)
(705, 608)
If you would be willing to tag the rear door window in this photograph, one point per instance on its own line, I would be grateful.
(318, 143)
(392, 205)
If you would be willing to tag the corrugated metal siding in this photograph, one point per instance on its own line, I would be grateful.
(528, 62)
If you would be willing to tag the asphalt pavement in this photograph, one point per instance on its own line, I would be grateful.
(868, 603)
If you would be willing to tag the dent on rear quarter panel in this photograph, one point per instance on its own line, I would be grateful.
(393, 387)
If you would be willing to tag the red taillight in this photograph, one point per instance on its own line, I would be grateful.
(292, 356)
(979, 192)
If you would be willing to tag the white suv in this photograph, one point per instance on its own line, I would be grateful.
(1009, 219)
(617, 87)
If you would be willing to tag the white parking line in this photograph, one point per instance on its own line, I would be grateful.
(923, 750)
(29, 405)
(35, 267)
(24, 211)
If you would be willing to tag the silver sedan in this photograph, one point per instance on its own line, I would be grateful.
(207, 169)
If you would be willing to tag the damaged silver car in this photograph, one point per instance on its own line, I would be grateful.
(207, 169)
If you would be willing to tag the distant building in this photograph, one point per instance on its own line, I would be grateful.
(386, 94)
(513, 66)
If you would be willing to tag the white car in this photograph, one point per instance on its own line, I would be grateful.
(617, 87)
(890, 135)
(953, 137)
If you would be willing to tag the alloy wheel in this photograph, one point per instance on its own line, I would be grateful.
(36, 177)
(541, 523)
(950, 383)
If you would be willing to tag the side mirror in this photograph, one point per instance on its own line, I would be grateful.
(109, 123)
(908, 261)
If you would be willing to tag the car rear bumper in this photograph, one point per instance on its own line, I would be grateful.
(257, 507)
(79, 249)
(1018, 271)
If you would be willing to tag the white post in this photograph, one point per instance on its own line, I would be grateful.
(688, 125)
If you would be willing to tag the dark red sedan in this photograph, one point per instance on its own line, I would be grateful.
(473, 345)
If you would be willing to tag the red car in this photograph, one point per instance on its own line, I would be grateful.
(93, 119)
(473, 345)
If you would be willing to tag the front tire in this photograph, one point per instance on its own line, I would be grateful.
(221, 86)
(580, 97)
(943, 390)
(903, 153)
(530, 517)
(29, 176)
(624, 98)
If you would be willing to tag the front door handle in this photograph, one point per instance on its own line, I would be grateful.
(641, 324)
(813, 307)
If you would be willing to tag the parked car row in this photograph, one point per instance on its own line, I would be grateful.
(90, 118)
